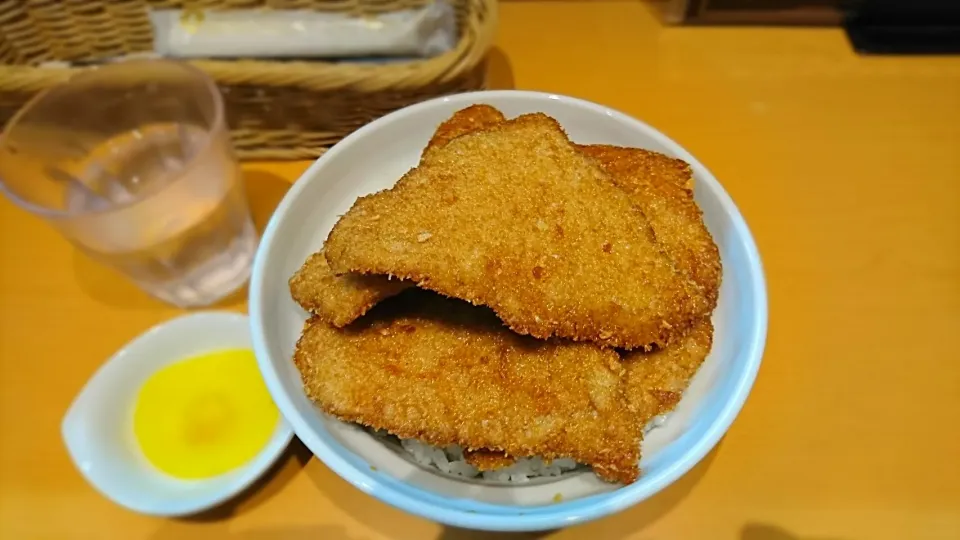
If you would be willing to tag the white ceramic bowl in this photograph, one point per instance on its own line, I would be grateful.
(98, 427)
(373, 158)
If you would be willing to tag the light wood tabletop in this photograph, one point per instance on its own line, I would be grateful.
(846, 168)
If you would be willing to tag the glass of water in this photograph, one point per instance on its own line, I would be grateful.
(132, 162)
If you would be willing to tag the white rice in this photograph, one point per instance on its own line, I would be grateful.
(654, 423)
(450, 460)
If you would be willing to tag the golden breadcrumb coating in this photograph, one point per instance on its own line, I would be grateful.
(468, 120)
(515, 218)
(444, 372)
(487, 460)
(660, 186)
(656, 380)
(338, 300)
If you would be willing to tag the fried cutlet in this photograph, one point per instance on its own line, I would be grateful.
(661, 187)
(656, 381)
(487, 460)
(339, 300)
(515, 218)
(444, 372)
(467, 120)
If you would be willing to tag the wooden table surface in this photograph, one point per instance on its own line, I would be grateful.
(846, 168)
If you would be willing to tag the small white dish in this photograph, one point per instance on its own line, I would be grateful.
(98, 427)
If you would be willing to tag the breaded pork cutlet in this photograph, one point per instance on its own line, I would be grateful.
(657, 379)
(444, 372)
(488, 460)
(339, 300)
(661, 187)
(467, 120)
(515, 218)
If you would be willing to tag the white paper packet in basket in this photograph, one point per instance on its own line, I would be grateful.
(256, 33)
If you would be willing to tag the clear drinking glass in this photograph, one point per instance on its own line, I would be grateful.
(132, 162)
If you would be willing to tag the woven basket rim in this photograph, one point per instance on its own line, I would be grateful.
(477, 36)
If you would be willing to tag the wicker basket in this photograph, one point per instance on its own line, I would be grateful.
(276, 109)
